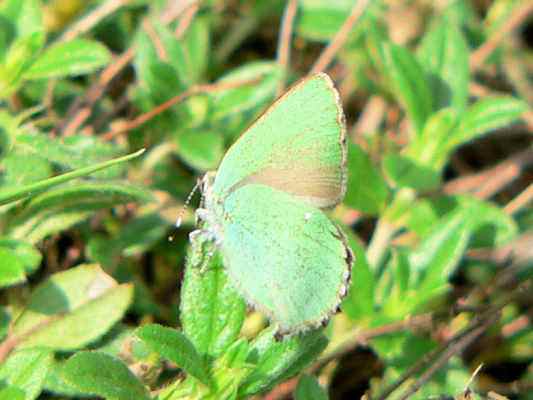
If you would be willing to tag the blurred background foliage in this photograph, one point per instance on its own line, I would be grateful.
(95, 296)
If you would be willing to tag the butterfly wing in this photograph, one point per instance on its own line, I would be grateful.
(284, 256)
(296, 146)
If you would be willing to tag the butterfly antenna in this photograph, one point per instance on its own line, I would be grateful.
(186, 204)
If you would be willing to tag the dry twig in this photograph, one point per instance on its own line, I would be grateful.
(519, 14)
(284, 43)
(340, 38)
(192, 91)
(490, 181)
(93, 18)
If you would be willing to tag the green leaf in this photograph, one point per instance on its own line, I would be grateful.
(139, 234)
(61, 208)
(11, 268)
(248, 98)
(174, 346)
(76, 57)
(26, 15)
(367, 190)
(444, 55)
(72, 152)
(321, 20)
(431, 148)
(11, 195)
(408, 81)
(19, 58)
(56, 383)
(211, 311)
(72, 308)
(435, 258)
(27, 369)
(309, 389)
(486, 115)
(200, 149)
(37, 228)
(406, 172)
(489, 224)
(12, 393)
(21, 167)
(359, 302)
(277, 361)
(195, 45)
(28, 255)
(103, 375)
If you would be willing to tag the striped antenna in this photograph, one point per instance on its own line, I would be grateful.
(186, 204)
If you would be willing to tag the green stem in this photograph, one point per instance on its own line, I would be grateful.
(32, 189)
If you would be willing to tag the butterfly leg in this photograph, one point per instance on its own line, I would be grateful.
(202, 248)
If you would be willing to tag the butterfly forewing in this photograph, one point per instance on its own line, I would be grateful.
(297, 146)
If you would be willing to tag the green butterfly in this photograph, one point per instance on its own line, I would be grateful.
(263, 209)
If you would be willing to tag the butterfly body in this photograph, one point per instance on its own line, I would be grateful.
(263, 209)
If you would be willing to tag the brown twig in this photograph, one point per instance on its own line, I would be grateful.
(84, 105)
(192, 91)
(488, 182)
(156, 41)
(519, 14)
(284, 43)
(450, 351)
(80, 110)
(93, 18)
(358, 338)
(340, 38)
(186, 20)
(370, 118)
(520, 201)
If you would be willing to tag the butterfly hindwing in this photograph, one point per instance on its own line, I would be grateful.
(284, 256)
(297, 146)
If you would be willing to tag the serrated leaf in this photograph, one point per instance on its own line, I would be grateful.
(72, 309)
(103, 375)
(277, 361)
(174, 346)
(211, 311)
(76, 57)
(367, 190)
(444, 55)
(408, 82)
(27, 369)
(10, 195)
(486, 115)
(11, 268)
(308, 388)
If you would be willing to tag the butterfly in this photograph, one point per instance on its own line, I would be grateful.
(263, 209)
